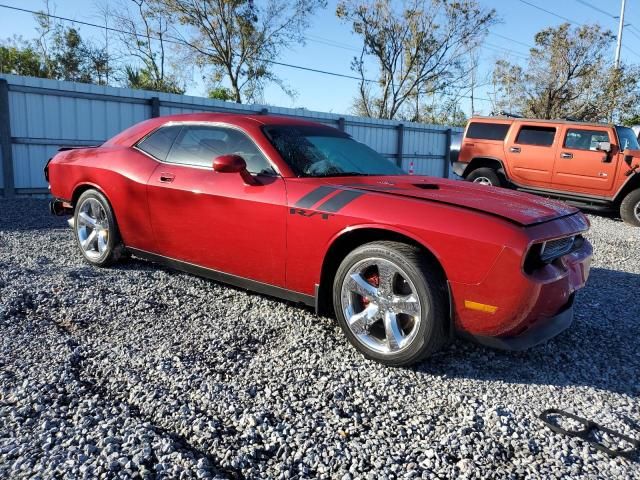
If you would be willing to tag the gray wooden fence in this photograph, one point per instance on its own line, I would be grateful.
(38, 116)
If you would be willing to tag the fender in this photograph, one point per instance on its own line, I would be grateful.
(630, 184)
(380, 228)
(480, 160)
(84, 185)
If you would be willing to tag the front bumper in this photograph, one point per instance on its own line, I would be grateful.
(535, 334)
(458, 168)
(513, 310)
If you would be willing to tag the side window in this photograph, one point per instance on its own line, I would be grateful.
(584, 139)
(198, 145)
(534, 135)
(158, 143)
(487, 131)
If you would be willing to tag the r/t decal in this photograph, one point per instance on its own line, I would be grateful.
(309, 214)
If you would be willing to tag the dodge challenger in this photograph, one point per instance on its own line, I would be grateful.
(302, 211)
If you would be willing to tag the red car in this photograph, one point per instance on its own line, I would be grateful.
(301, 211)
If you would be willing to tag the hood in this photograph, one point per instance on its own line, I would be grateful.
(517, 207)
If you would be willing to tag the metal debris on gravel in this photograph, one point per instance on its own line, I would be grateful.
(142, 371)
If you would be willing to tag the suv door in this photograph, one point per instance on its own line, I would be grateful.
(530, 150)
(214, 219)
(579, 166)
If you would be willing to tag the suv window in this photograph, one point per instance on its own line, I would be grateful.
(158, 143)
(535, 135)
(487, 131)
(584, 139)
(198, 145)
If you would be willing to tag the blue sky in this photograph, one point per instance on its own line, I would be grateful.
(331, 45)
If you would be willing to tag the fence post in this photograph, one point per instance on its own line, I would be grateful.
(5, 139)
(447, 155)
(341, 124)
(155, 107)
(400, 146)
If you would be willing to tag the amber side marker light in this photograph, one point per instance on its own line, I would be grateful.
(481, 307)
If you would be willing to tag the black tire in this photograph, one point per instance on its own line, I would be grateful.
(630, 208)
(113, 247)
(430, 286)
(487, 174)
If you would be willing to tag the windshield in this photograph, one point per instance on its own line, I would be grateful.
(313, 151)
(627, 138)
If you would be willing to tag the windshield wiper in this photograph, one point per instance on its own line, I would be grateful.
(345, 174)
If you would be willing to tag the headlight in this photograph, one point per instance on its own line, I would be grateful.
(544, 253)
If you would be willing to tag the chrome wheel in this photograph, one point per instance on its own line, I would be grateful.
(482, 181)
(636, 211)
(92, 228)
(381, 305)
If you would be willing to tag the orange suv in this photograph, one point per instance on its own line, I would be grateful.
(590, 165)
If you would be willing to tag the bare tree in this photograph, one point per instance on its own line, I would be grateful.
(418, 47)
(569, 73)
(144, 38)
(238, 39)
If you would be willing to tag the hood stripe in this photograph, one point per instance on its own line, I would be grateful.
(339, 200)
(314, 196)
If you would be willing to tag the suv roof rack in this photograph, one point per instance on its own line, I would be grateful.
(502, 113)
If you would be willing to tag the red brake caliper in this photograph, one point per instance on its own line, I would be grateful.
(372, 279)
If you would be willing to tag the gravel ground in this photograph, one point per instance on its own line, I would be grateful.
(142, 371)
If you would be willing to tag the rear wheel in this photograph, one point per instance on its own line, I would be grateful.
(390, 301)
(630, 208)
(96, 231)
(485, 176)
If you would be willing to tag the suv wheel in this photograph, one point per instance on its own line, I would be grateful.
(390, 302)
(630, 208)
(485, 176)
(96, 231)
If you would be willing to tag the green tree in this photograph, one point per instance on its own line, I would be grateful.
(143, 79)
(237, 39)
(19, 57)
(419, 48)
(569, 74)
(65, 55)
(221, 93)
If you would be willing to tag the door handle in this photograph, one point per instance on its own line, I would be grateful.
(566, 155)
(514, 149)
(167, 177)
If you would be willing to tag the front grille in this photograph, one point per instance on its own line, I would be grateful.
(556, 248)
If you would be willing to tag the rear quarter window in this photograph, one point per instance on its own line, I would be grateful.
(487, 131)
(534, 135)
(158, 143)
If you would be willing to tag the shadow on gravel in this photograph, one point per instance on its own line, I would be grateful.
(599, 350)
(23, 214)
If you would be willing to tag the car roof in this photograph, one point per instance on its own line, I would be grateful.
(135, 132)
(505, 118)
(236, 118)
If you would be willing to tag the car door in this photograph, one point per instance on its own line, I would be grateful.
(214, 219)
(530, 151)
(579, 166)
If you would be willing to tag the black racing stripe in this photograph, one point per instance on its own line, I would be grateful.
(314, 196)
(339, 200)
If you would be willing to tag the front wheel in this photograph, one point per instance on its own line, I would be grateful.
(630, 208)
(390, 301)
(96, 231)
(485, 176)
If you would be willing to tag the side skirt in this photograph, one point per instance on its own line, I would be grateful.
(236, 281)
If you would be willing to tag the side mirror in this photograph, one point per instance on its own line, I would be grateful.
(603, 146)
(234, 164)
(229, 164)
